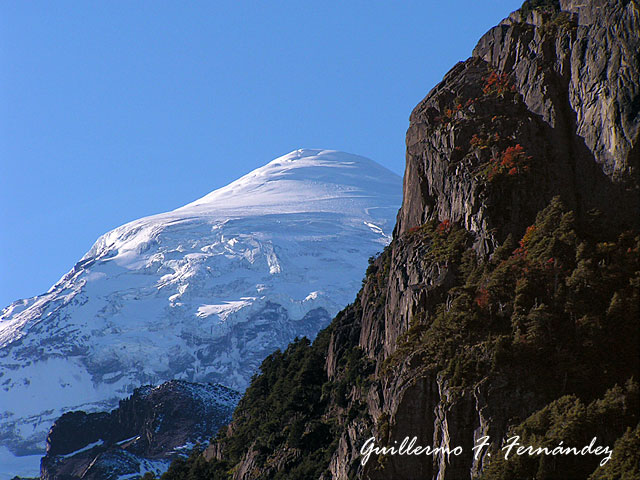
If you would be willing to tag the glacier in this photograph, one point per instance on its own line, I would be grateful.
(202, 293)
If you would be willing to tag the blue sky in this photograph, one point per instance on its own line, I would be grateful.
(110, 111)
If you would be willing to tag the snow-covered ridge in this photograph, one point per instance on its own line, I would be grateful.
(202, 293)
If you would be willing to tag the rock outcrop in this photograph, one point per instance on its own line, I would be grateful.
(146, 431)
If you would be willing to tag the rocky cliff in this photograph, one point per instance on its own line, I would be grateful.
(561, 83)
(513, 274)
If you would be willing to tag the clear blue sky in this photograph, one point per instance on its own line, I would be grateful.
(114, 110)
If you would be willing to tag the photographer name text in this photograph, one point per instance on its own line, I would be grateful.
(511, 447)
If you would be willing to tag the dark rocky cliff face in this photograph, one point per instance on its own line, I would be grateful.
(567, 91)
(460, 331)
(146, 431)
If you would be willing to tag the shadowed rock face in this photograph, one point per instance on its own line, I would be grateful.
(144, 433)
(571, 99)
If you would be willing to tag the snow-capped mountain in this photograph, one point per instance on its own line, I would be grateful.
(202, 293)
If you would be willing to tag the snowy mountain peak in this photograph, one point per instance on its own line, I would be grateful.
(303, 180)
(202, 293)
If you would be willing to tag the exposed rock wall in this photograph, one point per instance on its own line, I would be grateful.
(572, 102)
(568, 93)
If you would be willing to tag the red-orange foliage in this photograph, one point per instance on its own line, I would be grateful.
(511, 155)
(519, 252)
(528, 235)
(444, 226)
(550, 264)
(512, 161)
(497, 83)
(524, 241)
(482, 298)
(484, 141)
(450, 112)
(476, 141)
